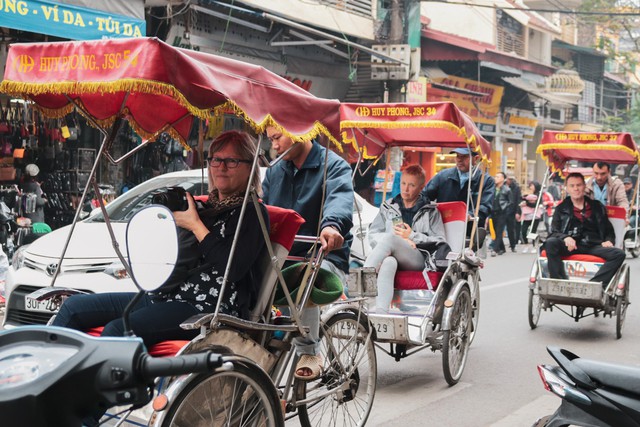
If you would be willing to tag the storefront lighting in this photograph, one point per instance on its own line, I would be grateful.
(510, 149)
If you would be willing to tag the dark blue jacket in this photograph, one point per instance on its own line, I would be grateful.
(302, 192)
(445, 187)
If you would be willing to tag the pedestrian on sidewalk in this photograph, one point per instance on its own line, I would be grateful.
(501, 207)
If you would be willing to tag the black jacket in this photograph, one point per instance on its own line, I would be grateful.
(561, 223)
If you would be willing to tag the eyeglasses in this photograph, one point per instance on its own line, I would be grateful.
(229, 162)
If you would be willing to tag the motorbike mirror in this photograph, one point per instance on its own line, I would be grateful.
(152, 246)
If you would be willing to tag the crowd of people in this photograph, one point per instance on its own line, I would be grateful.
(407, 234)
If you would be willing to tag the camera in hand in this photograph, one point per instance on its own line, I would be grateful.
(174, 198)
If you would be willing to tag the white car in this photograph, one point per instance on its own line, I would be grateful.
(91, 263)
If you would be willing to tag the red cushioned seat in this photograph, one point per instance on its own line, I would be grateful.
(414, 280)
(162, 349)
(577, 257)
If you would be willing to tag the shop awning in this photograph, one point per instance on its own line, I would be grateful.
(71, 21)
(503, 68)
(440, 46)
(533, 89)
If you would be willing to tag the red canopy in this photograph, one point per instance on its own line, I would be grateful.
(430, 124)
(161, 87)
(557, 147)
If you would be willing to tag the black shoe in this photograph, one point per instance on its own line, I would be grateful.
(501, 252)
(513, 250)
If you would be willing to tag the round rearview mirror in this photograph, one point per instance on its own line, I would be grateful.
(152, 246)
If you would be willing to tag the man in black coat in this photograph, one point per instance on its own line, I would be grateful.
(580, 226)
(513, 216)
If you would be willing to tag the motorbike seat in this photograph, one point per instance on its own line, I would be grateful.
(624, 378)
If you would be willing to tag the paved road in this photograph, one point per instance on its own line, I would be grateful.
(500, 386)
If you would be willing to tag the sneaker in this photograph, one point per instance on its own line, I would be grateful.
(493, 253)
(525, 250)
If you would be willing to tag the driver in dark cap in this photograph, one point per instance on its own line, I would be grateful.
(452, 184)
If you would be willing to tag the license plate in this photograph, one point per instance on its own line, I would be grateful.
(570, 290)
(47, 306)
(384, 328)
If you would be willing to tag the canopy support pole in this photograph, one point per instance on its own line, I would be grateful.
(476, 212)
(106, 142)
(545, 179)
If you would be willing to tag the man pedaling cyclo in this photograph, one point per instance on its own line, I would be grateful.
(581, 226)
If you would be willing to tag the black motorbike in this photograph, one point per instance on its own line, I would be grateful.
(8, 228)
(594, 394)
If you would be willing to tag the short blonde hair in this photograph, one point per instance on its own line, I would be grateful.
(245, 145)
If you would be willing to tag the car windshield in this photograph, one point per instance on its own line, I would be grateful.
(123, 208)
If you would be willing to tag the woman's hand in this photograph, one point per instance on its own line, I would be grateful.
(403, 230)
(190, 220)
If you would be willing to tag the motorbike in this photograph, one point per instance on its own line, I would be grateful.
(8, 228)
(51, 376)
(593, 393)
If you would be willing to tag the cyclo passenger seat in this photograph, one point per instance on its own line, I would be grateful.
(454, 218)
(579, 266)
(283, 226)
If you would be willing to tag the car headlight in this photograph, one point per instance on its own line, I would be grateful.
(117, 271)
(18, 257)
(25, 363)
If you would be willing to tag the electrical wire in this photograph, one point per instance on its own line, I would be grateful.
(183, 10)
(563, 11)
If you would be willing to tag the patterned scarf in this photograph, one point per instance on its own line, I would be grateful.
(216, 205)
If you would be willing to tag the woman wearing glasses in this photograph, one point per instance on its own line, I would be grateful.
(196, 283)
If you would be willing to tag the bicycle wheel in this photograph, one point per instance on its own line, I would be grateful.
(535, 306)
(456, 340)
(475, 308)
(621, 308)
(244, 396)
(343, 395)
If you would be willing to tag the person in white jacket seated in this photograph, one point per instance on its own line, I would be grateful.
(406, 226)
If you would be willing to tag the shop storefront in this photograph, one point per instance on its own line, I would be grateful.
(63, 149)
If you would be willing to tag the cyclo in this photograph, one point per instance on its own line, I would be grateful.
(447, 303)
(557, 149)
(144, 92)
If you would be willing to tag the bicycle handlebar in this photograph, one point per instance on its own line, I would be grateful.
(152, 367)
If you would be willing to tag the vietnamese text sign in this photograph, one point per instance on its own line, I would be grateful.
(482, 109)
(417, 91)
(517, 125)
(67, 21)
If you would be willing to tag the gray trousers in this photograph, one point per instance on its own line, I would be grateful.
(392, 252)
(310, 316)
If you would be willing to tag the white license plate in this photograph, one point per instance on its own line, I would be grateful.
(384, 328)
(47, 306)
(570, 290)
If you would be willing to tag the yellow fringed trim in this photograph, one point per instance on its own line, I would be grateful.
(23, 90)
(121, 85)
(433, 124)
(574, 146)
(317, 129)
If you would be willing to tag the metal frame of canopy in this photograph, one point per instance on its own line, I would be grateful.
(159, 88)
(371, 129)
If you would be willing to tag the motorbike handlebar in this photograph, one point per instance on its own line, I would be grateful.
(152, 367)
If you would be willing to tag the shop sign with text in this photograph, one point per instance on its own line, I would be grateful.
(483, 110)
(518, 124)
(67, 21)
